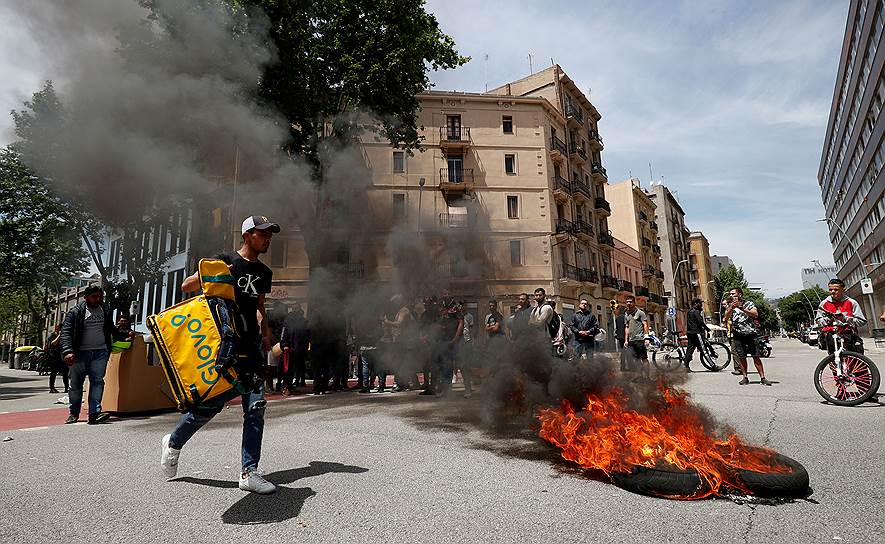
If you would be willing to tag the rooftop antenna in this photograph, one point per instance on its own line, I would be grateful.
(531, 70)
(485, 71)
(650, 176)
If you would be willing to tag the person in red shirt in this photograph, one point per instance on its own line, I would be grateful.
(839, 303)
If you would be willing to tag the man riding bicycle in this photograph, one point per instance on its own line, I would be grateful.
(839, 303)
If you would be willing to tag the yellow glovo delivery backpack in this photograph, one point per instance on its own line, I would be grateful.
(197, 339)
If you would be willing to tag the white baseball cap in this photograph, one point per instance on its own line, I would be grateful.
(259, 222)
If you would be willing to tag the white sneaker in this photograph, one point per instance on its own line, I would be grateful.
(169, 458)
(253, 481)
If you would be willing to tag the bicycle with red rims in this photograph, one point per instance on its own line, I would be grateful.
(845, 378)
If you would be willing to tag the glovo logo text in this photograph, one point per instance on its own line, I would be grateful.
(204, 350)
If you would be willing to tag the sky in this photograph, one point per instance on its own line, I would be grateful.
(728, 101)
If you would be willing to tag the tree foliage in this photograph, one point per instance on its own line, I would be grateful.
(799, 307)
(36, 126)
(732, 277)
(41, 246)
(336, 56)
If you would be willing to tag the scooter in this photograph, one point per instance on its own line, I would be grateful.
(763, 346)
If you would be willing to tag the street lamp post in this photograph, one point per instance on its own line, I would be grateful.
(863, 265)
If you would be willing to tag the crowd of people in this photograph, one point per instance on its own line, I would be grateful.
(420, 345)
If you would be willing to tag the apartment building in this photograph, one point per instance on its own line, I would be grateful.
(702, 271)
(718, 262)
(633, 221)
(507, 194)
(850, 175)
(673, 240)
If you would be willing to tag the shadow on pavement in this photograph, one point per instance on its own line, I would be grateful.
(285, 504)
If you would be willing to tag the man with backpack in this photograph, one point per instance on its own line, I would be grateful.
(253, 281)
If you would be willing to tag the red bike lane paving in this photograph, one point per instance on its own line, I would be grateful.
(50, 417)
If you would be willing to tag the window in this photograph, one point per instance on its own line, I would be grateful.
(516, 252)
(399, 206)
(278, 254)
(510, 163)
(399, 162)
(512, 207)
(507, 123)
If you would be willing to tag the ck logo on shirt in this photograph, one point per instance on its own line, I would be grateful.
(247, 284)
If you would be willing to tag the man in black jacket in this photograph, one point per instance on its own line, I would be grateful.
(695, 327)
(585, 325)
(85, 344)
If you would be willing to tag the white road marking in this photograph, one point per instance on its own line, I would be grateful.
(34, 428)
(39, 409)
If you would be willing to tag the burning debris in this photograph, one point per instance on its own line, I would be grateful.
(669, 451)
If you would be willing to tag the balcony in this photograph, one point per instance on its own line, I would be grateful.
(454, 139)
(646, 242)
(557, 148)
(655, 298)
(454, 220)
(660, 274)
(625, 286)
(584, 229)
(588, 276)
(574, 114)
(598, 171)
(577, 152)
(641, 291)
(564, 226)
(581, 189)
(454, 180)
(653, 225)
(595, 139)
(643, 217)
(656, 249)
(602, 204)
(609, 282)
(561, 188)
(606, 239)
(648, 271)
(569, 272)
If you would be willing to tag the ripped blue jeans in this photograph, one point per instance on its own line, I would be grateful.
(253, 423)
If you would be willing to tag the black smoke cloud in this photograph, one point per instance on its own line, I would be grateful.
(150, 107)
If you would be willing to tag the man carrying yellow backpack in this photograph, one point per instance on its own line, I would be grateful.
(252, 280)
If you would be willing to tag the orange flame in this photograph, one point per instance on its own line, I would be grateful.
(607, 436)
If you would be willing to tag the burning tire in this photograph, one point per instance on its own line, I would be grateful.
(659, 481)
(777, 484)
(673, 482)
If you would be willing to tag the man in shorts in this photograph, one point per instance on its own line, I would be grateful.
(743, 317)
(635, 334)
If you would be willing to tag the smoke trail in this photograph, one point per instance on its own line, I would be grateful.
(151, 104)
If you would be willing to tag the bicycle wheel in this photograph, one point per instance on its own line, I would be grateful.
(857, 384)
(715, 356)
(668, 358)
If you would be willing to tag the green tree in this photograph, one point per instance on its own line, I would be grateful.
(799, 307)
(37, 127)
(41, 246)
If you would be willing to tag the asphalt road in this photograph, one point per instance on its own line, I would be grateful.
(402, 468)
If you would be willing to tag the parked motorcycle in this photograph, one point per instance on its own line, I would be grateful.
(763, 346)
